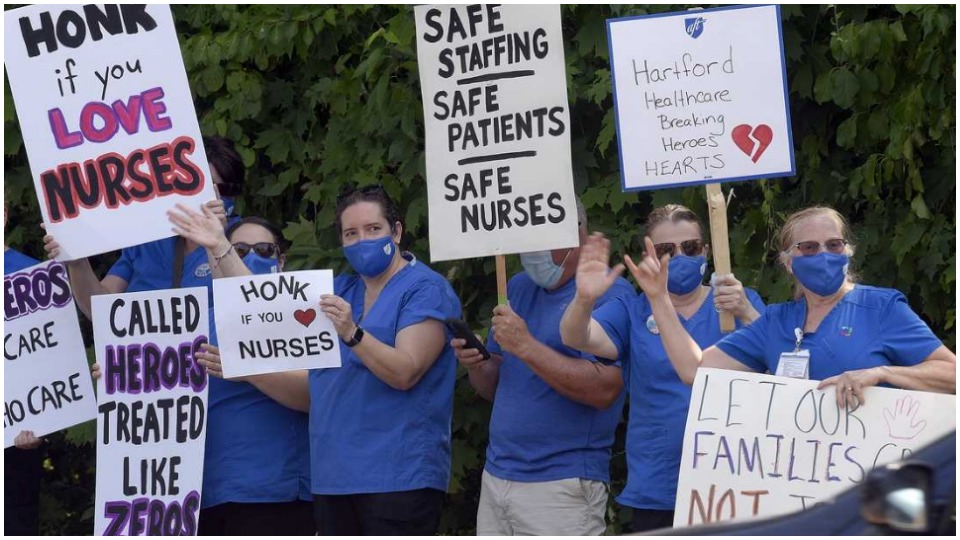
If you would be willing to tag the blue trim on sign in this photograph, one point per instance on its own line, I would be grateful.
(786, 101)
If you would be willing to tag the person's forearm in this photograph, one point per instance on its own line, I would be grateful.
(392, 366)
(683, 351)
(290, 389)
(574, 378)
(930, 376)
(84, 284)
(575, 324)
(229, 263)
(485, 377)
(749, 315)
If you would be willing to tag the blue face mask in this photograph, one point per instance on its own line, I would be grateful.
(229, 204)
(686, 273)
(542, 270)
(370, 258)
(822, 274)
(261, 265)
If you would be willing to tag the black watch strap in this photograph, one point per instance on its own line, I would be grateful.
(355, 338)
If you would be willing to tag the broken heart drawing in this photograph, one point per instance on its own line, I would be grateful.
(752, 141)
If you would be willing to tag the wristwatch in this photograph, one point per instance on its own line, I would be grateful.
(355, 338)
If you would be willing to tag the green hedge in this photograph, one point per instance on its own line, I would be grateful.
(322, 96)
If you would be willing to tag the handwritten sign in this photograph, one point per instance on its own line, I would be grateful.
(151, 428)
(46, 384)
(499, 176)
(107, 120)
(272, 322)
(760, 445)
(700, 97)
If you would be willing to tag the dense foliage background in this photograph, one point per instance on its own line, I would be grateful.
(318, 97)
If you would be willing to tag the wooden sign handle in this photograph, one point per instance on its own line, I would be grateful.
(720, 244)
(501, 280)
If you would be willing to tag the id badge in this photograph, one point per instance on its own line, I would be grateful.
(795, 364)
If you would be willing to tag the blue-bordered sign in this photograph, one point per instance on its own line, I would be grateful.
(700, 97)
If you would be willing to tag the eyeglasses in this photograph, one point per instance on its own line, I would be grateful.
(373, 188)
(690, 248)
(812, 247)
(263, 249)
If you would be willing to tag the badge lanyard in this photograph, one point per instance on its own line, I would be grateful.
(795, 364)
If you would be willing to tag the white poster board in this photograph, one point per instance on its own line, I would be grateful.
(497, 121)
(700, 97)
(108, 122)
(270, 323)
(151, 429)
(760, 445)
(46, 379)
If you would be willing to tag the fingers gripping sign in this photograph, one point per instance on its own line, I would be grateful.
(511, 332)
(340, 313)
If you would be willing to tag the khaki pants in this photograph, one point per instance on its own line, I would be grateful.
(572, 506)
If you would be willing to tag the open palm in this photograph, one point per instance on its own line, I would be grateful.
(594, 276)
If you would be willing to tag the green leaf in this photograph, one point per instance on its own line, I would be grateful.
(844, 87)
(919, 207)
(847, 132)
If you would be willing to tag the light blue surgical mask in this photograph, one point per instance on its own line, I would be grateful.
(542, 270)
(261, 265)
(823, 273)
(370, 258)
(686, 273)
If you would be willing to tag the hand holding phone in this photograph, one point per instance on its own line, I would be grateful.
(459, 329)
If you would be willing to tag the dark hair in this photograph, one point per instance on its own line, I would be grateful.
(374, 194)
(223, 156)
(274, 229)
(674, 213)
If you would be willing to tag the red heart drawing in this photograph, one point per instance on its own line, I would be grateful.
(745, 137)
(305, 317)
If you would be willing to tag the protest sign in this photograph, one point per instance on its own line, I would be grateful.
(270, 323)
(760, 445)
(700, 97)
(46, 384)
(152, 419)
(107, 120)
(497, 124)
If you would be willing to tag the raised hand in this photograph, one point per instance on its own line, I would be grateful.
(594, 276)
(650, 274)
(205, 228)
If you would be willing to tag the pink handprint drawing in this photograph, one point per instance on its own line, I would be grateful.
(902, 421)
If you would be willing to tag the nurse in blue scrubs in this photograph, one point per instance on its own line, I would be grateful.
(837, 331)
(625, 328)
(380, 424)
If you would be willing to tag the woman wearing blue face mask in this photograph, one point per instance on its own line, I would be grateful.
(625, 328)
(845, 334)
(380, 424)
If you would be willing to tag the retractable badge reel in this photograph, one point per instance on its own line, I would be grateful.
(795, 364)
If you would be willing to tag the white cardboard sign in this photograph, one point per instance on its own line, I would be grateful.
(151, 429)
(761, 445)
(700, 97)
(497, 121)
(270, 323)
(46, 379)
(108, 121)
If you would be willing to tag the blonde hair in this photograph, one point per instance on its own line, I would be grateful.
(674, 213)
(787, 236)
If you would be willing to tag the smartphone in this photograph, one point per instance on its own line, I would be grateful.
(459, 329)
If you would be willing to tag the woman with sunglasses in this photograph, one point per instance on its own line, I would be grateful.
(837, 331)
(256, 468)
(626, 329)
(380, 424)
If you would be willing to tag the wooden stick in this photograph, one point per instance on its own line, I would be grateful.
(720, 244)
(501, 280)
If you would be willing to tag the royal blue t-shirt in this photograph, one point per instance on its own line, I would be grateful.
(658, 398)
(257, 450)
(869, 327)
(536, 434)
(366, 437)
(14, 261)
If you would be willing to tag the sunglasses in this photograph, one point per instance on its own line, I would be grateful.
(373, 188)
(690, 248)
(263, 249)
(228, 190)
(812, 247)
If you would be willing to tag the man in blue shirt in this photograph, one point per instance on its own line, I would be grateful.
(555, 409)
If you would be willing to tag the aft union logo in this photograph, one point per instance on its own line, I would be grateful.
(694, 26)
